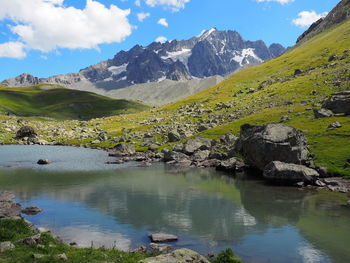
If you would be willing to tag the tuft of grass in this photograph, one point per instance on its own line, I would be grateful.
(226, 256)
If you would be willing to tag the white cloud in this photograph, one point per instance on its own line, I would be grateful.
(46, 25)
(12, 50)
(163, 22)
(279, 1)
(161, 39)
(175, 5)
(142, 16)
(306, 18)
(138, 2)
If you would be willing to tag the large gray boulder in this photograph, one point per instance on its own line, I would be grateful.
(174, 136)
(228, 139)
(263, 144)
(177, 256)
(200, 156)
(124, 150)
(26, 131)
(289, 173)
(170, 156)
(339, 102)
(195, 144)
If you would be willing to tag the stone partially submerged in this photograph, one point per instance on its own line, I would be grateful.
(124, 150)
(260, 145)
(178, 256)
(162, 237)
(289, 173)
(196, 144)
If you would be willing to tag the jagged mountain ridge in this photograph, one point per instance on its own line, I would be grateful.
(212, 53)
(339, 14)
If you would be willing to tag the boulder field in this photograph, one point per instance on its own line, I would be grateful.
(278, 152)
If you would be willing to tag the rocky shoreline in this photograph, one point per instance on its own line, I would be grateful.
(277, 152)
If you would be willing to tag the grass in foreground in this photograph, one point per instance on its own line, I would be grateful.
(49, 248)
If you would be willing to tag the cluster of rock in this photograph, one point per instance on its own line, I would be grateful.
(51, 132)
(279, 152)
(338, 103)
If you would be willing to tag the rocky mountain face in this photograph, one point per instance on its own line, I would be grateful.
(338, 15)
(212, 53)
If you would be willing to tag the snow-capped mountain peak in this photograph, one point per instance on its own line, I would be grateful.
(213, 52)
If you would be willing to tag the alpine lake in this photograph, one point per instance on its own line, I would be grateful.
(90, 202)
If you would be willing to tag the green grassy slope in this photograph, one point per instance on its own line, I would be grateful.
(285, 94)
(61, 103)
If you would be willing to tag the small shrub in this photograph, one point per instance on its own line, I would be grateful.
(12, 230)
(226, 256)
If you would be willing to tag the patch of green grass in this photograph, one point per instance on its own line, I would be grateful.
(49, 247)
(226, 256)
(13, 230)
(61, 103)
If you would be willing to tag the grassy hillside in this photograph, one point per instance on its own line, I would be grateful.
(61, 103)
(257, 95)
(283, 94)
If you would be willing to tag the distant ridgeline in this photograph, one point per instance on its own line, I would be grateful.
(212, 53)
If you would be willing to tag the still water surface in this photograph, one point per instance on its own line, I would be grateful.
(86, 200)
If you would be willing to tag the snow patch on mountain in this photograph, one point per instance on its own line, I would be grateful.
(181, 55)
(116, 70)
(242, 56)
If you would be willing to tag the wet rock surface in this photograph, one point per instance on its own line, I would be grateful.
(162, 237)
(43, 161)
(289, 173)
(177, 256)
(32, 210)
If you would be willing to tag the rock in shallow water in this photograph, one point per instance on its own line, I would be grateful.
(43, 162)
(32, 210)
(124, 150)
(289, 173)
(163, 237)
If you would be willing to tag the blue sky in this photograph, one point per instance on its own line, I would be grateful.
(49, 37)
